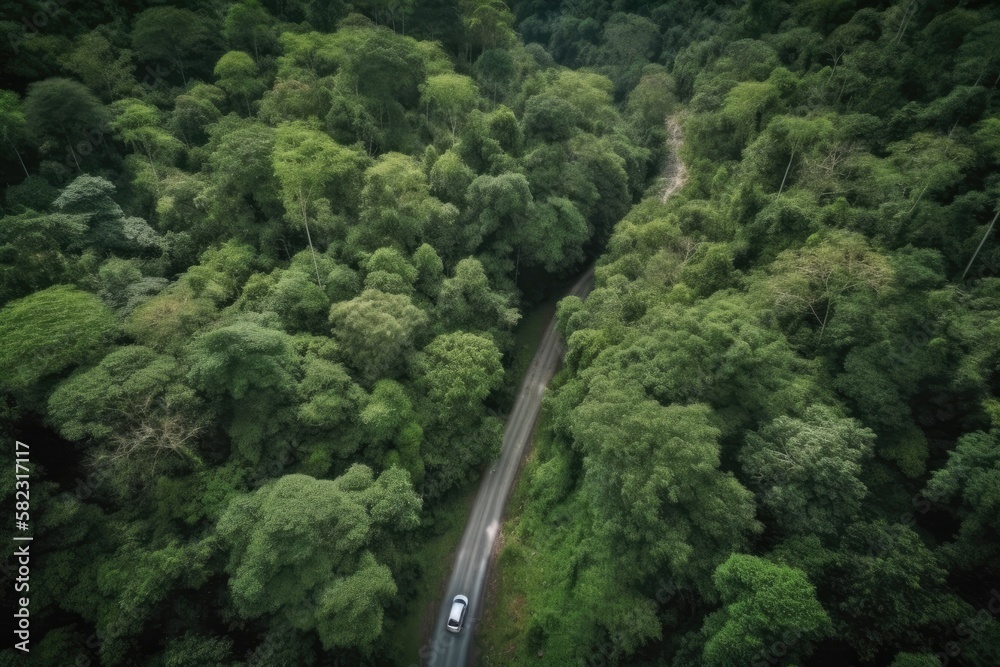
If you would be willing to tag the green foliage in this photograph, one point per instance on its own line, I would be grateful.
(763, 604)
(554, 236)
(652, 476)
(137, 580)
(816, 278)
(103, 66)
(467, 302)
(13, 123)
(312, 226)
(100, 402)
(249, 26)
(174, 36)
(807, 470)
(458, 371)
(969, 477)
(450, 178)
(88, 198)
(242, 358)
(377, 331)
(395, 204)
(891, 586)
(50, 331)
(140, 125)
(61, 112)
(299, 548)
(300, 303)
(35, 248)
(495, 203)
(489, 23)
(239, 76)
(496, 69)
(310, 165)
(451, 96)
(915, 660)
(193, 650)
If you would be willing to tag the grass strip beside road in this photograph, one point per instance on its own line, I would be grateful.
(434, 560)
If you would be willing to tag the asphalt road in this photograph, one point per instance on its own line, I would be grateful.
(468, 574)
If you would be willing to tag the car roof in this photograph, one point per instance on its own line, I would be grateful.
(457, 604)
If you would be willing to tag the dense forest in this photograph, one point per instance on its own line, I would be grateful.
(776, 438)
(262, 265)
(260, 274)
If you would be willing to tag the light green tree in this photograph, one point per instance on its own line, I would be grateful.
(140, 125)
(763, 605)
(395, 204)
(969, 479)
(452, 96)
(377, 331)
(49, 331)
(457, 372)
(239, 76)
(808, 470)
(828, 269)
(308, 164)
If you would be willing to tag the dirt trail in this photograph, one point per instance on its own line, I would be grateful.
(674, 173)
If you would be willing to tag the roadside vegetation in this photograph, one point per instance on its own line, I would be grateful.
(776, 427)
(262, 268)
(263, 264)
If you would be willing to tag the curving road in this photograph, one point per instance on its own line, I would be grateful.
(468, 574)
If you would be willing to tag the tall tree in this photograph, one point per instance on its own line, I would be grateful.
(63, 108)
(818, 277)
(300, 547)
(808, 469)
(239, 76)
(488, 23)
(141, 126)
(378, 331)
(395, 205)
(309, 166)
(763, 604)
(176, 36)
(13, 123)
(105, 68)
(458, 371)
(652, 475)
(248, 26)
(250, 373)
(450, 95)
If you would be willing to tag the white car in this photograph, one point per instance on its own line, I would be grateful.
(457, 615)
